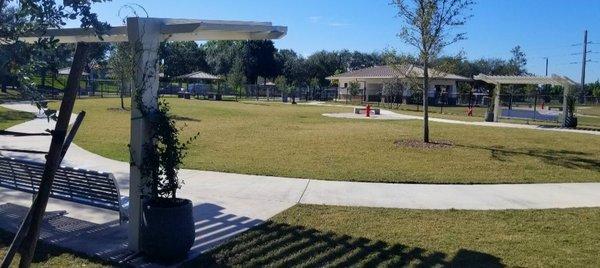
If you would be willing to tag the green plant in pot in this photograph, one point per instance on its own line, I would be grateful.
(570, 121)
(168, 230)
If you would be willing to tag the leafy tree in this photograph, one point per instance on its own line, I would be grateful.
(293, 67)
(315, 87)
(121, 67)
(392, 91)
(594, 89)
(427, 27)
(260, 59)
(236, 79)
(221, 55)
(516, 64)
(323, 64)
(182, 58)
(37, 16)
(282, 84)
(353, 89)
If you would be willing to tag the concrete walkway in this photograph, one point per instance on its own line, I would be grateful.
(227, 204)
(390, 115)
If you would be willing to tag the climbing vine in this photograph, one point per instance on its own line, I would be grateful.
(164, 151)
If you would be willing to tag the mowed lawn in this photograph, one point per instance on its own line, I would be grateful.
(297, 141)
(590, 110)
(316, 236)
(9, 118)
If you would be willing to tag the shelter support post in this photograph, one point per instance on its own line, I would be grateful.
(565, 105)
(145, 36)
(497, 103)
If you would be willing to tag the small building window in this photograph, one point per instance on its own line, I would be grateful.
(345, 85)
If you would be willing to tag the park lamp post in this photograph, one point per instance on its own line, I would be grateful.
(147, 34)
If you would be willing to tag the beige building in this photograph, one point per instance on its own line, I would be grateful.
(372, 80)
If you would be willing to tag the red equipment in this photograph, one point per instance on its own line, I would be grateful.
(368, 110)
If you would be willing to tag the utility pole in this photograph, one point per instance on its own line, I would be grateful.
(583, 65)
(546, 65)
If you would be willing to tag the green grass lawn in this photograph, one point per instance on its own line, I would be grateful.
(9, 118)
(589, 110)
(9, 95)
(310, 236)
(49, 256)
(297, 141)
(460, 113)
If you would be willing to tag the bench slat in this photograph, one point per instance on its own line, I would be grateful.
(75, 185)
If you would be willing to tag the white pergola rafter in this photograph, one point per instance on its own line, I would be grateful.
(148, 33)
(499, 80)
(173, 30)
(555, 80)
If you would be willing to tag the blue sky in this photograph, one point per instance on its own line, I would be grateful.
(544, 28)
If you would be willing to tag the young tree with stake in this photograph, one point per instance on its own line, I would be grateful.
(427, 27)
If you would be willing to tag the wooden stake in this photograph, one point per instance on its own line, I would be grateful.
(29, 231)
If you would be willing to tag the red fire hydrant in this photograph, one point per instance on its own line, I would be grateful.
(368, 110)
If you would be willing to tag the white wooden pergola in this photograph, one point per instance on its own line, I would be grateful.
(499, 80)
(149, 33)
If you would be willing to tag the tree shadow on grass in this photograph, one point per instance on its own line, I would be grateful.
(564, 158)
(283, 245)
(185, 118)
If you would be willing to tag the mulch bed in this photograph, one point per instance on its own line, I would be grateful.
(419, 144)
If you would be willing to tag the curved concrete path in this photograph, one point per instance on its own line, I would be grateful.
(290, 190)
(227, 204)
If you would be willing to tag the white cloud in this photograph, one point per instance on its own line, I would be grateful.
(338, 24)
(314, 19)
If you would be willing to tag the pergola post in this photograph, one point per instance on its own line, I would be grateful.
(565, 104)
(144, 36)
(497, 102)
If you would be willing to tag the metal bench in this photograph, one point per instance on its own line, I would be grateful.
(359, 110)
(81, 186)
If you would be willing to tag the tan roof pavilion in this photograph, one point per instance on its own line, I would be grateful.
(398, 71)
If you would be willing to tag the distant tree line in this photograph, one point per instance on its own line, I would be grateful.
(257, 61)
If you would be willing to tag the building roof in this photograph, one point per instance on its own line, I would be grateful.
(199, 75)
(395, 71)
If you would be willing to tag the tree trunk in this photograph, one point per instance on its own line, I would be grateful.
(267, 89)
(53, 159)
(121, 93)
(426, 101)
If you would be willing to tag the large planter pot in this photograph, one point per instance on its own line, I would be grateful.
(168, 230)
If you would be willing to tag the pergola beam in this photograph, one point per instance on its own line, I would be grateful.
(499, 80)
(173, 30)
(147, 33)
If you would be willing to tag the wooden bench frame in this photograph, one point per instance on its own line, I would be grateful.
(357, 110)
(86, 187)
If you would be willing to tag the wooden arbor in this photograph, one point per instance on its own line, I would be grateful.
(146, 34)
(499, 80)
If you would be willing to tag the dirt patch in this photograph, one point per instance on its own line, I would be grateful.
(418, 144)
